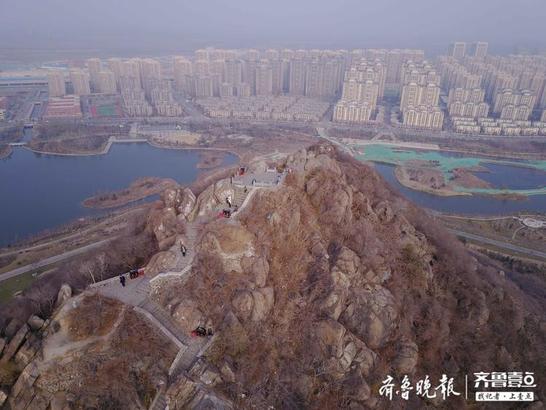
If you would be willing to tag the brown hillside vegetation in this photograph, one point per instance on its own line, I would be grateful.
(316, 290)
(336, 282)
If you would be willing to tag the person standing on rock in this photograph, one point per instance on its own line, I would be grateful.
(183, 249)
(228, 200)
(122, 279)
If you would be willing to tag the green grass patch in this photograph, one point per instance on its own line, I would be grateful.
(20, 282)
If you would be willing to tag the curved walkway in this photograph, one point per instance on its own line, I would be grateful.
(136, 291)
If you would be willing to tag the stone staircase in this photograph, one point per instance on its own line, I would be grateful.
(166, 320)
(239, 196)
(188, 357)
(190, 239)
(143, 289)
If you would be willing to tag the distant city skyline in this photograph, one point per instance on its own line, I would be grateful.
(170, 25)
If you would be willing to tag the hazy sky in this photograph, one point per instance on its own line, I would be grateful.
(185, 24)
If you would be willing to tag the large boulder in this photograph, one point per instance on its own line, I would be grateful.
(187, 203)
(24, 382)
(253, 305)
(263, 303)
(14, 344)
(324, 163)
(232, 242)
(243, 304)
(188, 315)
(171, 198)
(408, 355)
(28, 350)
(3, 397)
(65, 293)
(334, 304)
(372, 315)
(330, 335)
(213, 197)
(161, 262)
(35, 322)
(12, 328)
(257, 267)
(331, 197)
(384, 212)
(165, 226)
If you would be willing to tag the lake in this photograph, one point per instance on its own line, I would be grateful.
(506, 176)
(511, 177)
(39, 192)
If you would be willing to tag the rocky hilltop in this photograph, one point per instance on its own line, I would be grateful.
(316, 289)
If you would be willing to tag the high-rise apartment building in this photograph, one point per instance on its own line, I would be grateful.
(94, 67)
(106, 82)
(468, 103)
(150, 69)
(80, 82)
(420, 96)
(479, 49)
(116, 66)
(226, 90)
(202, 54)
(457, 50)
(363, 87)
(297, 76)
(233, 72)
(201, 68)
(56, 84)
(514, 105)
(425, 117)
(249, 71)
(203, 86)
(182, 74)
(264, 78)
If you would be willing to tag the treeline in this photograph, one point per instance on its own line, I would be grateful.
(76, 129)
(11, 134)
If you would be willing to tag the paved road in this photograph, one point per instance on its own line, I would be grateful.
(71, 236)
(323, 134)
(499, 244)
(52, 259)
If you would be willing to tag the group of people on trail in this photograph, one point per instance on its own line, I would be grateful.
(226, 212)
(201, 332)
(133, 274)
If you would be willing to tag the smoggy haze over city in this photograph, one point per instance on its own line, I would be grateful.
(174, 25)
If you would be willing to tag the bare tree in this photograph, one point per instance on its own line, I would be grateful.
(88, 268)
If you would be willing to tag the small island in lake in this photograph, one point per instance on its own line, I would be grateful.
(140, 189)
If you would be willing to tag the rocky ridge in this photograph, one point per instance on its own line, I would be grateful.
(316, 290)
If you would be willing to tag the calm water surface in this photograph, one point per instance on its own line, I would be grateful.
(510, 177)
(39, 192)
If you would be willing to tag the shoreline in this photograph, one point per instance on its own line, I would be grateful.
(401, 177)
(417, 146)
(156, 145)
(135, 193)
(112, 140)
(7, 152)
